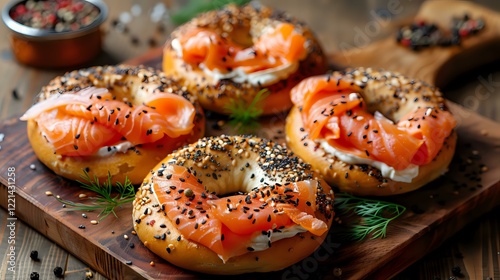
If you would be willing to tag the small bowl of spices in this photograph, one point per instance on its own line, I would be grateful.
(55, 33)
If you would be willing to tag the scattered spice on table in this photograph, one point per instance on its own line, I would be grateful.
(34, 275)
(15, 94)
(58, 272)
(456, 270)
(34, 255)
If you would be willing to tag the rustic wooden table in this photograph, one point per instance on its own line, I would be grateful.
(131, 30)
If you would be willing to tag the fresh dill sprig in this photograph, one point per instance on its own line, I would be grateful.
(373, 216)
(245, 116)
(105, 200)
(193, 8)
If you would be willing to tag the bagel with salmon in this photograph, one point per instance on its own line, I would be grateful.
(371, 132)
(231, 205)
(230, 55)
(116, 121)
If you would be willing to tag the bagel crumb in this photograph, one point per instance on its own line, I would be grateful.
(125, 236)
(48, 193)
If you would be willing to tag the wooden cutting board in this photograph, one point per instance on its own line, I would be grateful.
(436, 65)
(435, 212)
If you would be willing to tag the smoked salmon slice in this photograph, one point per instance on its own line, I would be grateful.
(334, 110)
(279, 46)
(226, 225)
(80, 123)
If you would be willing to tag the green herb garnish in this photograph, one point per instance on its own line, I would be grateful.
(193, 8)
(373, 216)
(245, 116)
(105, 200)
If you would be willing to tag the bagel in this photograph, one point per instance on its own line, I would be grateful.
(371, 132)
(231, 205)
(230, 55)
(94, 120)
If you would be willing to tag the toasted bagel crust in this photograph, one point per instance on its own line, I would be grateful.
(123, 81)
(246, 23)
(234, 159)
(392, 94)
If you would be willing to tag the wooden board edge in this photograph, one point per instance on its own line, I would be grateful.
(436, 234)
(94, 255)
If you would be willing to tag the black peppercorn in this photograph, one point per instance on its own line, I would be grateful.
(34, 255)
(34, 276)
(456, 270)
(58, 272)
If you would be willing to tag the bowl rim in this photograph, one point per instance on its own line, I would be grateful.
(44, 34)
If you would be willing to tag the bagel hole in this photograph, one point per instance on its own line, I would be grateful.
(125, 168)
(242, 37)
